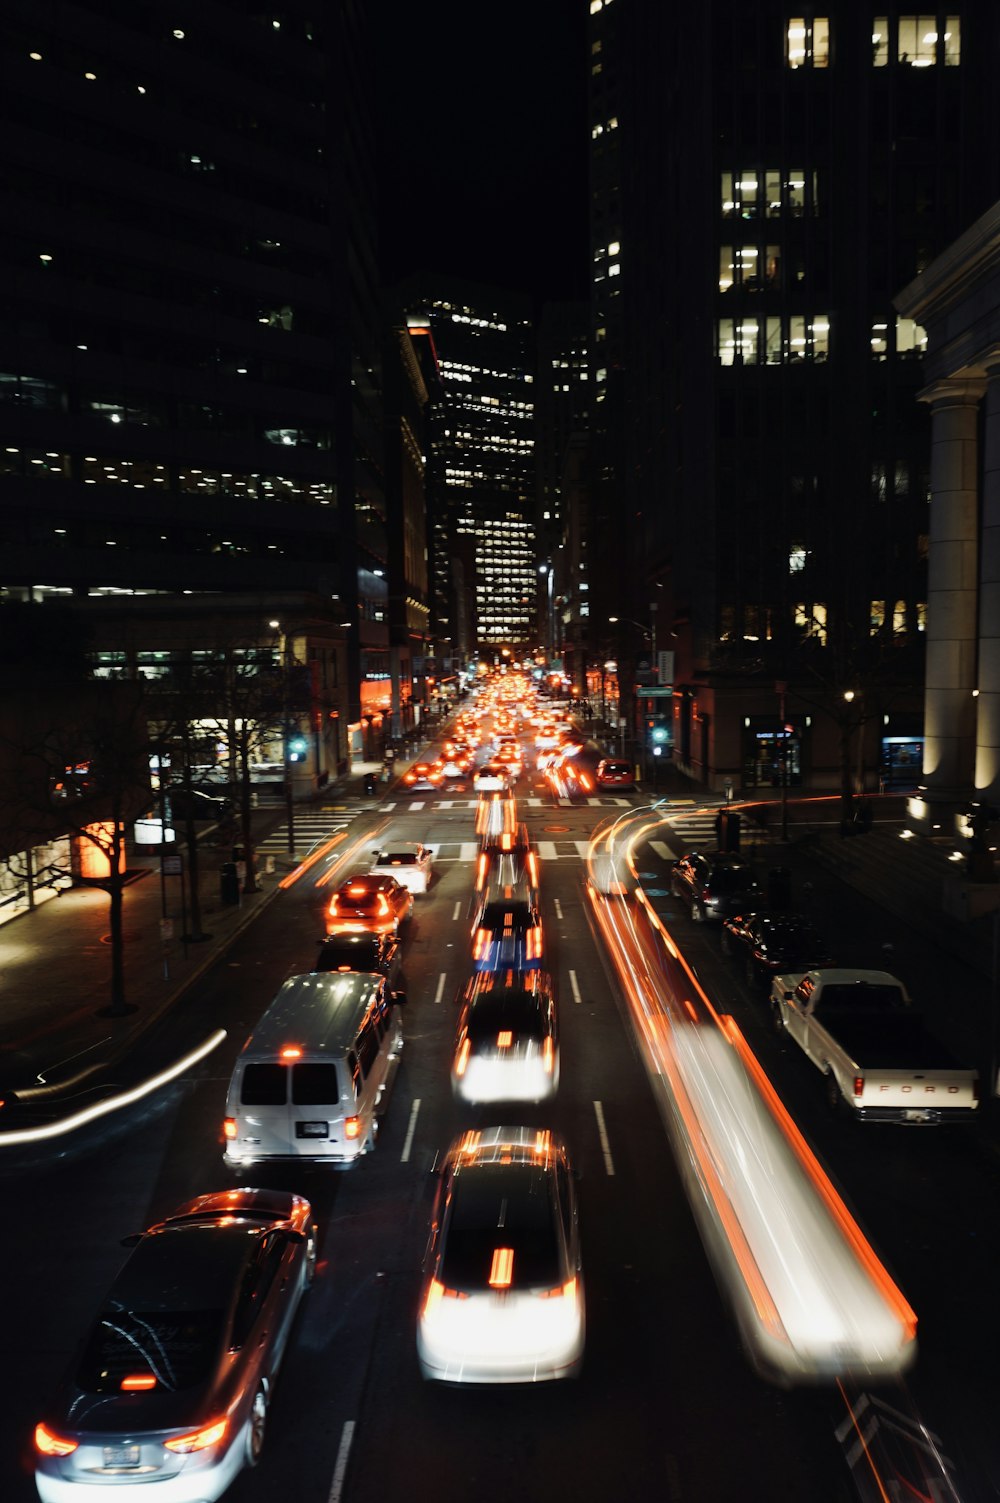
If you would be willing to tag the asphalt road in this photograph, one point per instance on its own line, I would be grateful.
(667, 1406)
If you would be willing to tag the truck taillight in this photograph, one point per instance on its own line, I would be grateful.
(859, 1084)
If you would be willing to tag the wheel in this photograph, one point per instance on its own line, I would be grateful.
(256, 1427)
(697, 911)
(310, 1272)
(372, 1138)
(834, 1100)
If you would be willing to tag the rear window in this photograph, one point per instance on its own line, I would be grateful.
(398, 858)
(617, 767)
(519, 1013)
(264, 1085)
(493, 1208)
(176, 1347)
(357, 957)
(511, 915)
(315, 1085)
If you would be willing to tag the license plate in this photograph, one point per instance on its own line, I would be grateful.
(312, 1129)
(919, 1114)
(115, 1456)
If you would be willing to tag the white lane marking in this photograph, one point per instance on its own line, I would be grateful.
(469, 851)
(411, 1127)
(547, 850)
(574, 987)
(446, 803)
(582, 849)
(602, 1133)
(662, 849)
(418, 803)
(458, 911)
(440, 991)
(558, 907)
(339, 1470)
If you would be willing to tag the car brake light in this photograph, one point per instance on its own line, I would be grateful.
(482, 939)
(229, 1129)
(548, 1056)
(502, 1268)
(462, 1058)
(352, 1127)
(137, 1382)
(436, 1292)
(291, 1051)
(51, 1444)
(504, 1039)
(481, 872)
(332, 910)
(198, 1440)
(383, 906)
(564, 1291)
(859, 1084)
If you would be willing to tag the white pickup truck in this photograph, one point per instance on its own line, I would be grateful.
(860, 1029)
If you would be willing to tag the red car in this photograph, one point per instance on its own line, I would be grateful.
(614, 772)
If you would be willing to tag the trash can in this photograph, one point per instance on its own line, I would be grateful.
(779, 887)
(229, 882)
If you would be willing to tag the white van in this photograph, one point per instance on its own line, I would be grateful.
(314, 1070)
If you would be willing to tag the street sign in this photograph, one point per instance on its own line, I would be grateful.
(665, 691)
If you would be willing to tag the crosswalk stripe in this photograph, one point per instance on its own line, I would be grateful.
(582, 848)
(547, 850)
(468, 850)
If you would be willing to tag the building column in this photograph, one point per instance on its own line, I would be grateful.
(988, 703)
(952, 589)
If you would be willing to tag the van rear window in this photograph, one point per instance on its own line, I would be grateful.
(264, 1085)
(315, 1085)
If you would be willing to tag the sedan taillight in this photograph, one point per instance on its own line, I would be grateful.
(51, 1444)
(198, 1440)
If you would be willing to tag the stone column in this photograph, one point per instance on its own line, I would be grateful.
(988, 703)
(949, 706)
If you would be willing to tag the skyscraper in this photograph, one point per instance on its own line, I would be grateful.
(482, 458)
(780, 176)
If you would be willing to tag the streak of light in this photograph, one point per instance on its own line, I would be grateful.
(113, 1103)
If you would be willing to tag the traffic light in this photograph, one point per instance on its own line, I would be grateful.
(297, 747)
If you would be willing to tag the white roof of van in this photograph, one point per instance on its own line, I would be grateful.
(319, 1012)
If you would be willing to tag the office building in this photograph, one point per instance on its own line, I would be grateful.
(779, 176)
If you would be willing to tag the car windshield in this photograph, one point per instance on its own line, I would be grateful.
(175, 1348)
(495, 1206)
(519, 1013)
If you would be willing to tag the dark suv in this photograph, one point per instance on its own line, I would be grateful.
(365, 950)
(715, 884)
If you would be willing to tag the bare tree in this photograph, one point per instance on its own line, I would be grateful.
(78, 765)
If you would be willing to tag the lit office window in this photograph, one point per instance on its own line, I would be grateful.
(880, 42)
(797, 556)
(911, 339)
(811, 620)
(880, 341)
(807, 42)
(920, 43)
(749, 194)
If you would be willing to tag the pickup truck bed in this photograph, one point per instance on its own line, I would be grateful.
(893, 1041)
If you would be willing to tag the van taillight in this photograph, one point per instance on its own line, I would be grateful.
(229, 1129)
(352, 1127)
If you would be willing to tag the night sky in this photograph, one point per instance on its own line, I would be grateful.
(482, 134)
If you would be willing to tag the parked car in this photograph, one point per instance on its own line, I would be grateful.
(614, 772)
(175, 1379)
(369, 902)
(715, 884)
(503, 1298)
(507, 1043)
(362, 950)
(771, 942)
(196, 804)
(507, 933)
(409, 861)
